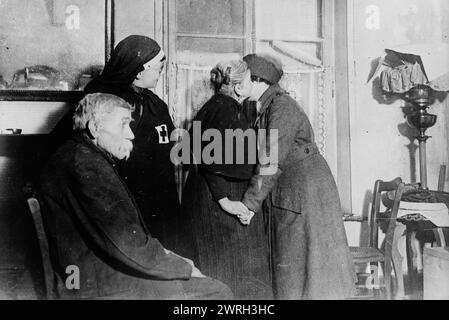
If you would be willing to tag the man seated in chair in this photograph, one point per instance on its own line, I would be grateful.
(93, 224)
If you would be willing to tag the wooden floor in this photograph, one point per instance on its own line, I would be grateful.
(21, 285)
(413, 290)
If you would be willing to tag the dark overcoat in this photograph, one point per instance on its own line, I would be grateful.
(92, 222)
(311, 258)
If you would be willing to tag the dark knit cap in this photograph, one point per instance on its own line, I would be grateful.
(265, 66)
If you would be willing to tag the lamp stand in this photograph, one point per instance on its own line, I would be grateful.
(422, 96)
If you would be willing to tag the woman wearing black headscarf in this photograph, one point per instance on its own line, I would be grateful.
(133, 69)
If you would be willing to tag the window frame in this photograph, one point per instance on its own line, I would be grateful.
(172, 34)
(331, 123)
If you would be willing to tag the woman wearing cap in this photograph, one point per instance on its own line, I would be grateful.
(310, 255)
(132, 71)
(227, 250)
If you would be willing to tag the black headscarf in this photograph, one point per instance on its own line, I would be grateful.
(126, 62)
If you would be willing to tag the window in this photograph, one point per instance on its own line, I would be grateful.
(203, 32)
(292, 30)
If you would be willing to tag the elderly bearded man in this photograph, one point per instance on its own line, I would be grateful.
(92, 220)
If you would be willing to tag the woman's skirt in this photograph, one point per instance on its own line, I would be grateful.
(225, 249)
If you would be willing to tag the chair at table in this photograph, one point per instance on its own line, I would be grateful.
(372, 254)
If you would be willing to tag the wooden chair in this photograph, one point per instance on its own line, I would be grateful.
(49, 275)
(371, 254)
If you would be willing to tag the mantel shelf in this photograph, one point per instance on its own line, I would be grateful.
(40, 95)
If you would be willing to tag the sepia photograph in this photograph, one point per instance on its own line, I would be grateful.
(236, 153)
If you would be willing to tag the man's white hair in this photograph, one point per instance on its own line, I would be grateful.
(93, 107)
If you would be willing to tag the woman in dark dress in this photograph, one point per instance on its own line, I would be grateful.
(133, 70)
(226, 249)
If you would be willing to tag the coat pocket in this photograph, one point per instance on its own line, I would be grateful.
(287, 199)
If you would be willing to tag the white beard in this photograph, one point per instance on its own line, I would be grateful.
(120, 149)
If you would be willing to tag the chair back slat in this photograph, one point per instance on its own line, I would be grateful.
(35, 210)
(373, 224)
(389, 185)
(442, 178)
(393, 216)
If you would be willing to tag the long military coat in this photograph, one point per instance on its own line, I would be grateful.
(310, 255)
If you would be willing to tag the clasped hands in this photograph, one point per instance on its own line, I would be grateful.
(238, 209)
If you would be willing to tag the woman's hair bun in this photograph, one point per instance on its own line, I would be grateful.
(218, 77)
(227, 76)
(215, 77)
